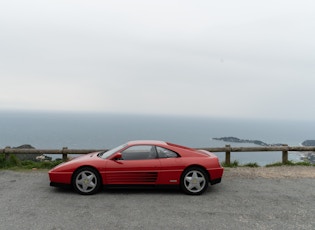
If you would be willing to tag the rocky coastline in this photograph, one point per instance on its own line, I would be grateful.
(309, 156)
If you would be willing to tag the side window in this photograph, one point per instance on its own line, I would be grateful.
(139, 152)
(166, 153)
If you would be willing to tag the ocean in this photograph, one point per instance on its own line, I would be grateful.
(45, 130)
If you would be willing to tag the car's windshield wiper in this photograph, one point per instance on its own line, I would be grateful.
(100, 154)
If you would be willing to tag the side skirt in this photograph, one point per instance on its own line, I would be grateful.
(132, 186)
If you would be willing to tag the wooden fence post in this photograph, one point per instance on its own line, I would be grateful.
(64, 155)
(6, 153)
(285, 157)
(228, 154)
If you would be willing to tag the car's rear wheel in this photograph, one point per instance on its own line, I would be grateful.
(194, 181)
(86, 181)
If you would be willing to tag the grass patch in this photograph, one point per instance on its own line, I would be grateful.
(233, 164)
(290, 163)
(236, 164)
(304, 163)
(251, 165)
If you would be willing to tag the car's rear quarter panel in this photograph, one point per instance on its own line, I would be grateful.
(172, 168)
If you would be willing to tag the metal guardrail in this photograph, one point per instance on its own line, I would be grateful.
(227, 149)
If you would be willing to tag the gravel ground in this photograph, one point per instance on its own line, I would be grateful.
(247, 198)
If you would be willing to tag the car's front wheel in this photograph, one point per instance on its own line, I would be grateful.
(194, 181)
(86, 181)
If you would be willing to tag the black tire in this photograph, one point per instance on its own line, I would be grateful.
(86, 181)
(194, 181)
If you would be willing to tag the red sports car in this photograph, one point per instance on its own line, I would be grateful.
(148, 163)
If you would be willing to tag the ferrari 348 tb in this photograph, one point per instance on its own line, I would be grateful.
(145, 163)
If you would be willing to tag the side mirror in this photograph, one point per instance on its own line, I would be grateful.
(118, 156)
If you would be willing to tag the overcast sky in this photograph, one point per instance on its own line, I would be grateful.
(245, 58)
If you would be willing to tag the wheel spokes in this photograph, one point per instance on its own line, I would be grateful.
(194, 181)
(86, 181)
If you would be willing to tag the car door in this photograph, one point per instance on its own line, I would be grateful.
(171, 166)
(139, 165)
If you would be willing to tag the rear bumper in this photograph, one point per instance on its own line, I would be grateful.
(215, 175)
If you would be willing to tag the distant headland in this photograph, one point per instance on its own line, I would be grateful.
(308, 143)
(258, 142)
(30, 156)
(238, 140)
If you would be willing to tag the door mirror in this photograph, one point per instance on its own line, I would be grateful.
(118, 156)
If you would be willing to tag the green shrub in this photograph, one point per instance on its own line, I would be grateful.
(2, 161)
(10, 162)
(27, 164)
(14, 162)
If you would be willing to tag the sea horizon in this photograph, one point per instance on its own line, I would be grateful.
(45, 130)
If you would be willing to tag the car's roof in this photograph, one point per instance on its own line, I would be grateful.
(147, 142)
(155, 142)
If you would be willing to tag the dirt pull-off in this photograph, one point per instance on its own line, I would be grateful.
(271, 172)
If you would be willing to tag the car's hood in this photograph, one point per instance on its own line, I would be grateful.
(75, 162)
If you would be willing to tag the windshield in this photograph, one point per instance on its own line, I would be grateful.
(105, 155)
